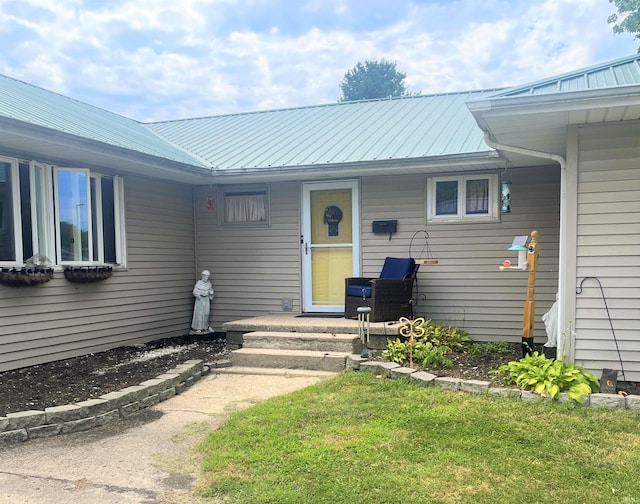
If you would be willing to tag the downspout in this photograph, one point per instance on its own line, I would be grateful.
(563, 252)
(195, 231)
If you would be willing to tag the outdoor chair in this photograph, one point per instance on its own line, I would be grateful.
(389, 296)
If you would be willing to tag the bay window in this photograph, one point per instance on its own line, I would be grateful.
(69, 215)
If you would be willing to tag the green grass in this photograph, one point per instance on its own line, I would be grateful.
(361, 439)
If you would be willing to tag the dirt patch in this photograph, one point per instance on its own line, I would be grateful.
(90, 376)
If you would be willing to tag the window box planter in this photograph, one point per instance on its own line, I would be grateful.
(87, 274)
(23, 277)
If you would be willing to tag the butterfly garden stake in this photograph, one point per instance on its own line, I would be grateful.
(412, 328)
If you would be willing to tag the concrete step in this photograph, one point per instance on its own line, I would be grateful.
(262, 371)
(316, 342)
(334, 362)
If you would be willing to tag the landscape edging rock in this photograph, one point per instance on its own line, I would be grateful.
(31, 424)
(395, 371)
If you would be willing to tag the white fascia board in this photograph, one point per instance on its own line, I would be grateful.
(556, 102)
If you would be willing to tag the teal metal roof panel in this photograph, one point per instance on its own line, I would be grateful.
(348, 132)
(617, 73)
(36, 106)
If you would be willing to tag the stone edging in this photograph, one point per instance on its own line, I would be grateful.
(393, 370)
(24, 425)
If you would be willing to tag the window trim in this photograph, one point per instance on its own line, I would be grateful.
(461, 215)
(15, 212)
(42, 209)
(230, 190)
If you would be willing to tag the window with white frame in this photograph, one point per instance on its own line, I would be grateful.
(462, 198)
(70, 215)
(244, 206)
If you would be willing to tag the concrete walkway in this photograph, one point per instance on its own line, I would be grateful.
(145, 458)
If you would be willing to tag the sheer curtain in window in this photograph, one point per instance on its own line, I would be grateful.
(245, 207)
(477, 197)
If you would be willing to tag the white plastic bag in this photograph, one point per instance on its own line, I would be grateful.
(550, 320)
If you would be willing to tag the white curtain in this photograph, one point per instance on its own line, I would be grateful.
(245, 207)
(477, 196)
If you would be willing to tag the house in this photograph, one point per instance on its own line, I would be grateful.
(244, 195)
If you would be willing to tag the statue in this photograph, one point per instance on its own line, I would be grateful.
(203, 292)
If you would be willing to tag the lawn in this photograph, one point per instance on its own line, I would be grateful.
(361, 439)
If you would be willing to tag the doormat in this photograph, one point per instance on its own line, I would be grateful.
(320, 315)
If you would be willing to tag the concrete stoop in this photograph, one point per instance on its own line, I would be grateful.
(290, 359)
(317, 342)
(296, 350)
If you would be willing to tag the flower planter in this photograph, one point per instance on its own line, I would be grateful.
(87, 274)
(23, 277)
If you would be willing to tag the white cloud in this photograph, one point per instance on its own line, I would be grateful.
(158, 59)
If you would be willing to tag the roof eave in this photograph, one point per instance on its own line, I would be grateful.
(464, 162)
(105, 154)
(555, 102)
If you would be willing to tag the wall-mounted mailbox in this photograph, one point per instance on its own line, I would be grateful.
(385, 226)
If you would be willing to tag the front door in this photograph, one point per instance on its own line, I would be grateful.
(330, 243)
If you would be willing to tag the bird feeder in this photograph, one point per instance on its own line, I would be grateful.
(527, 261)
(518, 245)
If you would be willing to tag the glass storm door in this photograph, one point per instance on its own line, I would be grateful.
(330, 243)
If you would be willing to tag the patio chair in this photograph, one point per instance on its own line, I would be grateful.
(388, 296)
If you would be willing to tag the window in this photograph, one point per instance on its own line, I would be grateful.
(69, 215)
(463, 198)
(248, 206)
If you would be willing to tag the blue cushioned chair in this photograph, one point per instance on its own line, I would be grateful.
(388, 296)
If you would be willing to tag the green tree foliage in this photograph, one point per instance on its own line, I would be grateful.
(371, 80)
(627, 19)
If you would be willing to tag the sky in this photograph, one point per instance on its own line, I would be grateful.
(154, 60)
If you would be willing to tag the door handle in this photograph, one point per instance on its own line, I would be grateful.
(306, 248)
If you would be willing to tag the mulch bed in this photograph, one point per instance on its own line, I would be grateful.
(90, 376)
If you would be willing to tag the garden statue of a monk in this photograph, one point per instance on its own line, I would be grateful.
(203, 292)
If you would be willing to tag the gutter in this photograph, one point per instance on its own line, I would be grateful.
(563, 252)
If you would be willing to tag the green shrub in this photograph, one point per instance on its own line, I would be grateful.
(432, 356)
(431, 348)
(548, 377)
(440, 335)
(397, 351)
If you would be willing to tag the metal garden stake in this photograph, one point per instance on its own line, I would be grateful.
(411, 328)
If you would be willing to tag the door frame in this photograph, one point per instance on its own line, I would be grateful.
(305, 235)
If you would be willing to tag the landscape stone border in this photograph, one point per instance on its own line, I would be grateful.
(31, 424)
(395, 371)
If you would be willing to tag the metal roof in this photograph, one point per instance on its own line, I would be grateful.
(611, 74)
(412, 127)
(37, 106)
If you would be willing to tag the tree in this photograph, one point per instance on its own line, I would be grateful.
(627, 19)
(373, 79)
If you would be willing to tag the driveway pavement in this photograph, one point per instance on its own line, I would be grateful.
(145, 458)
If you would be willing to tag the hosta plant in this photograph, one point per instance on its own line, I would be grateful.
(548, 377)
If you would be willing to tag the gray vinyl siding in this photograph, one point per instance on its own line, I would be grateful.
(609, 248)
(252, 267)
(466, 288)
(150, 300)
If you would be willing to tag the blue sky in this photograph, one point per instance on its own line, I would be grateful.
(161, 59)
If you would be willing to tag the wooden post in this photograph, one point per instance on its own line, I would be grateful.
(530, 304)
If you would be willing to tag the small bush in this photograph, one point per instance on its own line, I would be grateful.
(548, 377)
(431, 348)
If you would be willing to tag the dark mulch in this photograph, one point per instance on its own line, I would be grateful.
(90, 376)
